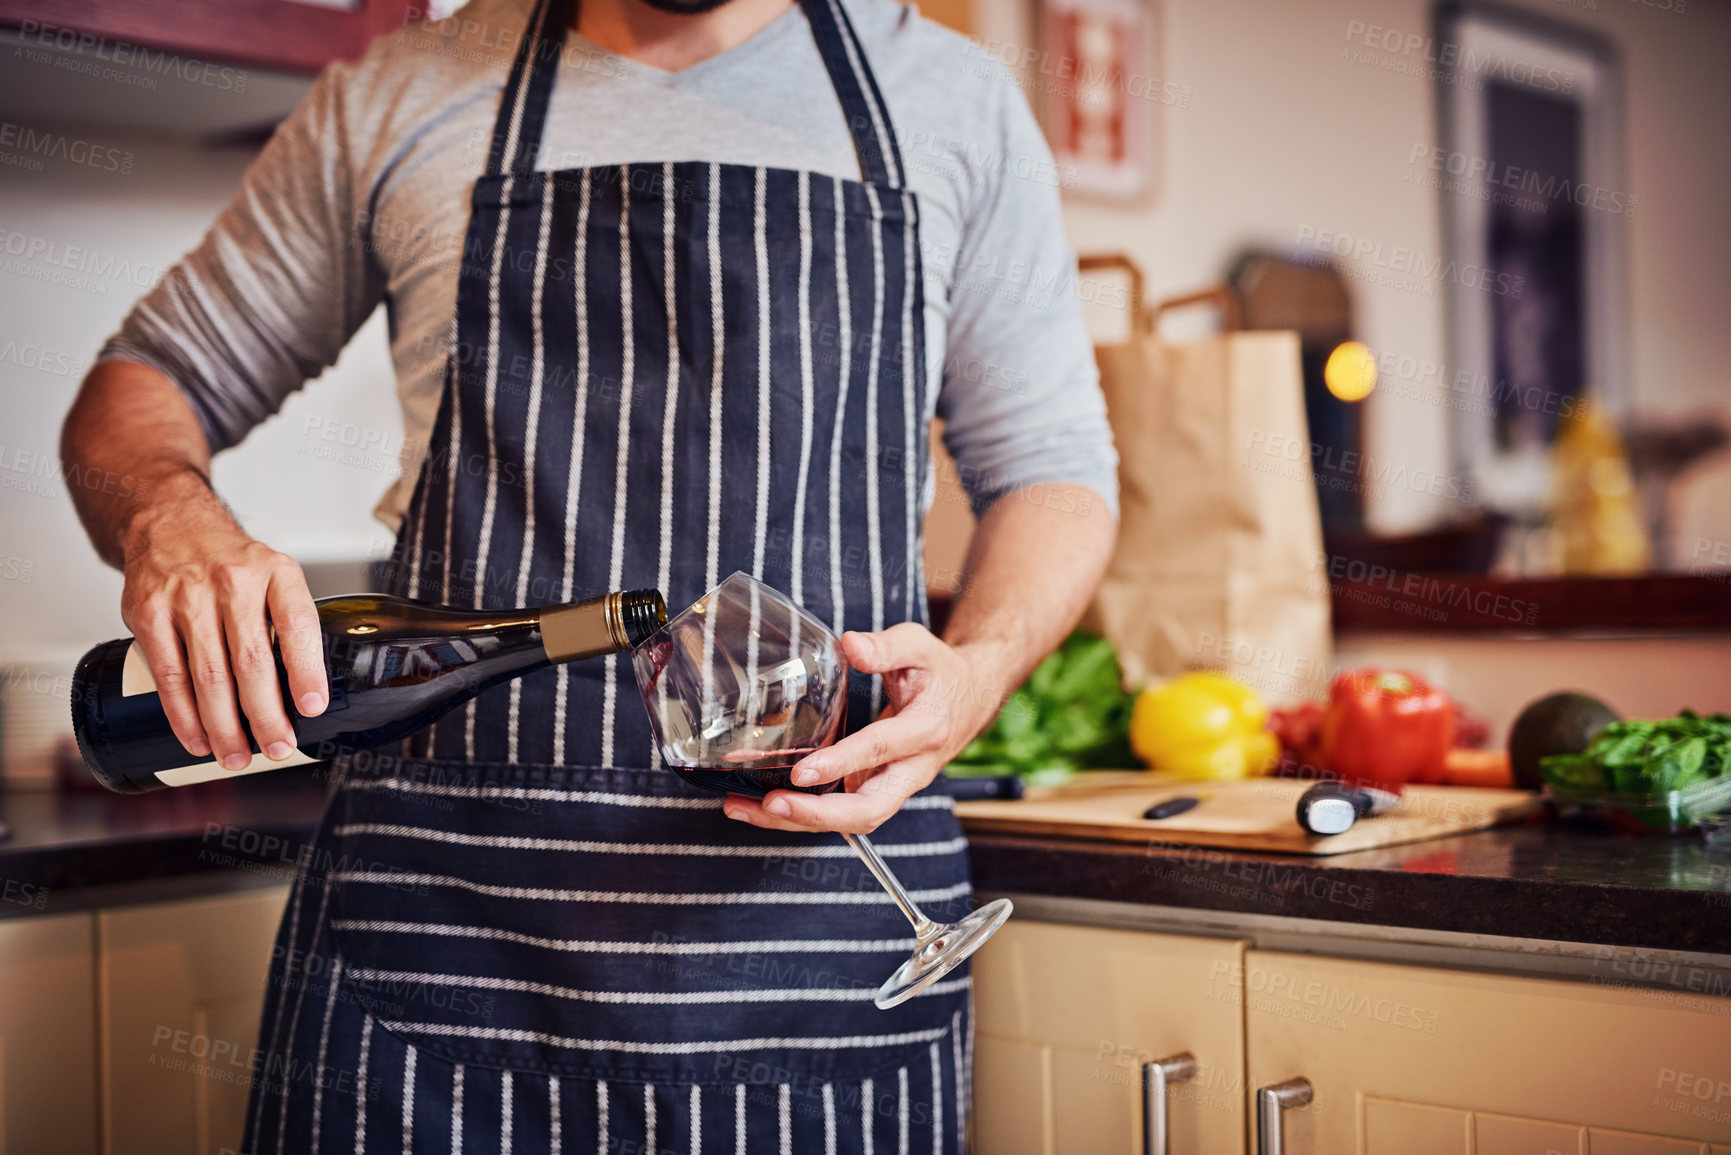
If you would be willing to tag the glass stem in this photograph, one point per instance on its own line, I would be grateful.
(924, 928)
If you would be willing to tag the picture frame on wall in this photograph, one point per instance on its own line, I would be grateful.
(1100, 95)
(1534, 204)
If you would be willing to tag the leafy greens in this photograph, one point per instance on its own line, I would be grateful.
(1655, 757)
(1071, 714)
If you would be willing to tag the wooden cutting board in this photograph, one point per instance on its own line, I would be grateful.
(1258, 814)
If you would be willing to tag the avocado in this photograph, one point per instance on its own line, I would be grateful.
(1562, 723)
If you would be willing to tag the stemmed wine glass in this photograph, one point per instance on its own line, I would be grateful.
(740, 687)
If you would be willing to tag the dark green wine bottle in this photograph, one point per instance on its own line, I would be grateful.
(394, 666)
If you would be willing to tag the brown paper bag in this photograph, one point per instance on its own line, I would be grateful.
(1219, 545)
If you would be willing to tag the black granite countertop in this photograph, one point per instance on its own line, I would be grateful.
(1537, 881)
(64, 846)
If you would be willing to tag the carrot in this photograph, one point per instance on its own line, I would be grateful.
(1477, 768)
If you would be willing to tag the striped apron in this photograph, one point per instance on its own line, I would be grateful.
(518, 930)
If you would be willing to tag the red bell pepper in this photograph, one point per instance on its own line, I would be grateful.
(1389, 727)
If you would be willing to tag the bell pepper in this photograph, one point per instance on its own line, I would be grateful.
(1387, 727)
(1203, 725)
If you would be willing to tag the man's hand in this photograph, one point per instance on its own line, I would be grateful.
(939, 698)
(197, 593)
(1033, 563)
(197, 587)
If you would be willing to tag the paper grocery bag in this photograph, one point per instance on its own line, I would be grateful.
(1220, 539)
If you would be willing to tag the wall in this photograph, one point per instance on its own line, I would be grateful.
(78, 245)
(1286, 131)
(1280, 133)
(1281, 127)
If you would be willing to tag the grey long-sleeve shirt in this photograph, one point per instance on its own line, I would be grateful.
(362, 196)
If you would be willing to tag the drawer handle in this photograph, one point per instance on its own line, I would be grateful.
(1270, 1102)
(1157, 1077)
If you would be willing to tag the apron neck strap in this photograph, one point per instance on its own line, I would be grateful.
(523, 108)
(868, 116)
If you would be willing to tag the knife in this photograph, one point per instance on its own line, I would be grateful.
(1006, 787)
(1332, 807)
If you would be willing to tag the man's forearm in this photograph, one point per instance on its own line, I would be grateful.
(130, 442)
(201, 597)
(1035, 560)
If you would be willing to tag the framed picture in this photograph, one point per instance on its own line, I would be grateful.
(1100, 95)
(1535, 210)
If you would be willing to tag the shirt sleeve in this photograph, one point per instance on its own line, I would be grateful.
(1021, 399)
(278, 285)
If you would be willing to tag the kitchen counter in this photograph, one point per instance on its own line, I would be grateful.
(73, 851)
(1532, 882)
(1537, 881)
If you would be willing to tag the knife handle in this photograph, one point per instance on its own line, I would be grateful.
(971, 789)
(1331, 807)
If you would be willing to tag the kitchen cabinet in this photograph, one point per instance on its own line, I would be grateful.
(1408, 1060)
(289, 35)
(1067, 1016)
(179, 989)
(1402, 1060)
(47, 1035)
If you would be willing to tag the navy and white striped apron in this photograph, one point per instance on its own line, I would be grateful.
(519, 932)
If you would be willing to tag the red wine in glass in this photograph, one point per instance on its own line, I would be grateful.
(742, 685)
(753, 773)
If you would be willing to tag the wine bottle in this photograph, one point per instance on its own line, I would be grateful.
(392, 665)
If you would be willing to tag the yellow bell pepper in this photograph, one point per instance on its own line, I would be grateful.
(1203, 725)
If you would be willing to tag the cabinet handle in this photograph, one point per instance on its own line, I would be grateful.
(1270, 1102)
(1156, 1078)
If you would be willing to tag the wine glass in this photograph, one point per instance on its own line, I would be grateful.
(740, 687)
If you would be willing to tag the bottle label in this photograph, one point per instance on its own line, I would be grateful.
(212, 770)
(135, 673)
(135, 679)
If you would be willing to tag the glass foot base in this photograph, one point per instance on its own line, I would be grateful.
(942, 953)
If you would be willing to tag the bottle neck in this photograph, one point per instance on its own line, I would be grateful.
(585, 629)
(600, 625)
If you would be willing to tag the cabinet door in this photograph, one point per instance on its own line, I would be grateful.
(1068, 1015)
(47, 1035)
(1409, 1060)
(181, 985)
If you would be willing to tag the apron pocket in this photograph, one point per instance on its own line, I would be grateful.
(612, 924)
